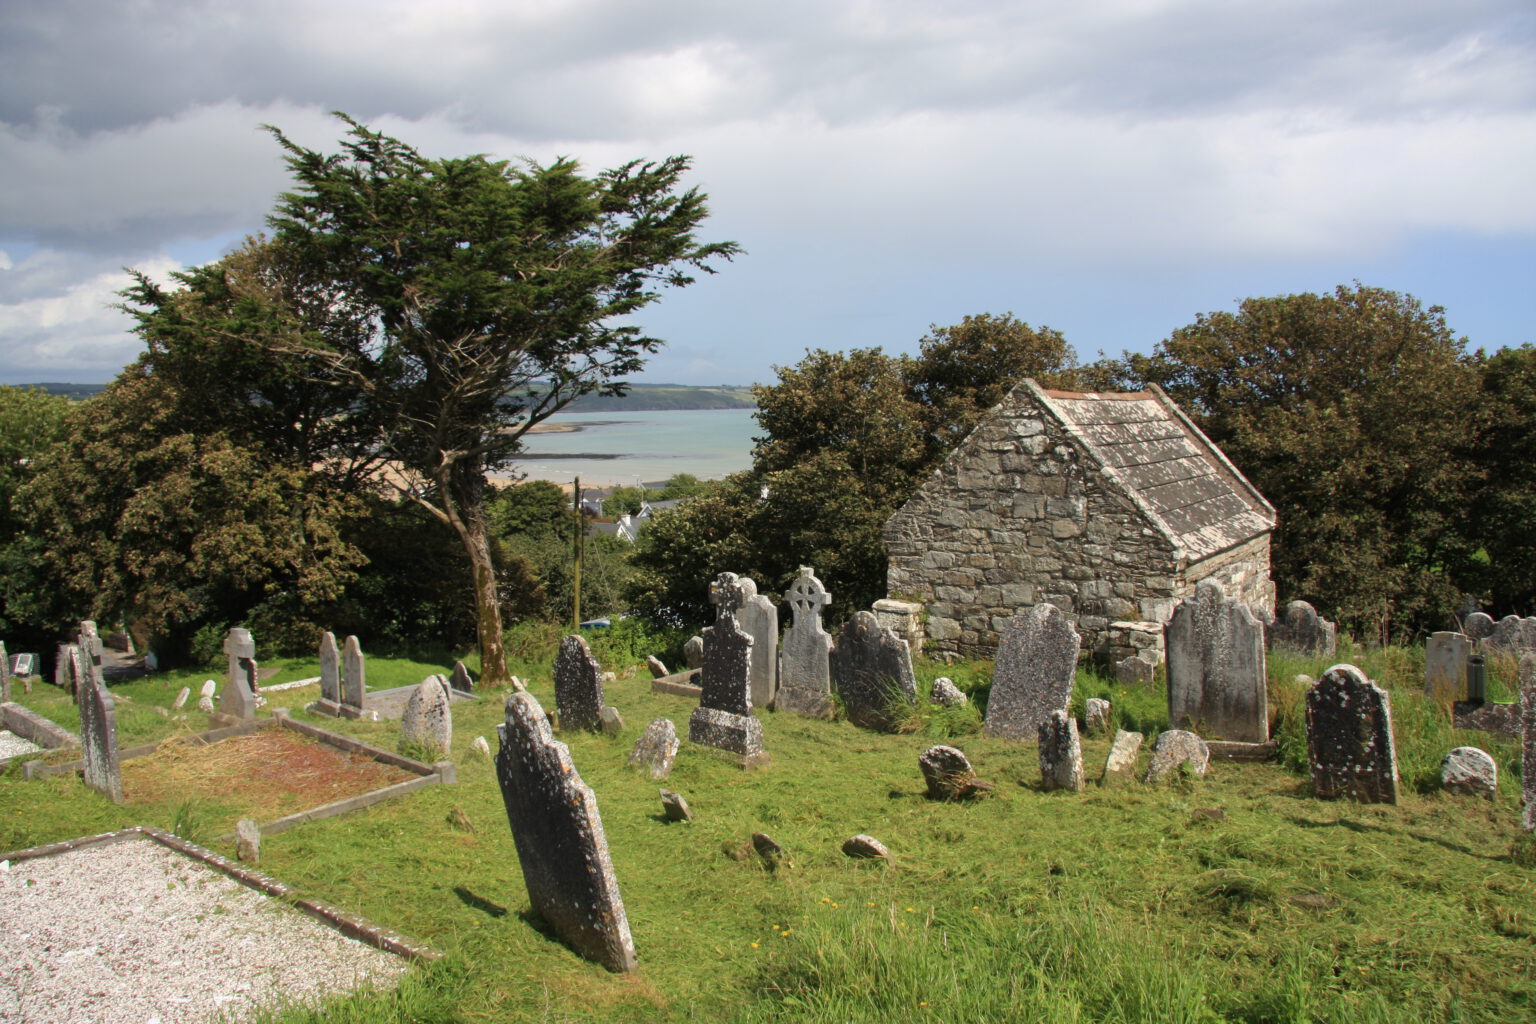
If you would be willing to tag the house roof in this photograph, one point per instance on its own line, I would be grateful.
(1166, 465)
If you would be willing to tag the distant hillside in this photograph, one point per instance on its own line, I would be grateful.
(73, 392)
(646, 397)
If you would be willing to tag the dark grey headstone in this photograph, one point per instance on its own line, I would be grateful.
(61, 674)
(1528, 740)
(1479, 626)
(428, 718)
(1349, 738)
(1445, 666)
(726, 678)
(656, 749)
(238, 698)
(560, 839)
(460, 679)
(330, 669)
(1120, 765)
(354, 684)
(1096, 716)
(1216, 674)
(805, 663)
(1061, 753)
(872, 672)
(948, 775)
(866, 847)
(1468, 771)
(578, 686)
(738, 737)
(5, 674)
(1513, 636)
(98, 737)
(1036, 668)
(674, 807)
(758, 617)
(1299, 628)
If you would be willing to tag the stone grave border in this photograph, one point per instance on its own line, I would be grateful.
(442, 773)
(34, 728)
(350, 925)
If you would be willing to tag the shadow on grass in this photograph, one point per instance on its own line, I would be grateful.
(1362, 827)
(479, 902)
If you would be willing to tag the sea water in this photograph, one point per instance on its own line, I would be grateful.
(633, 448)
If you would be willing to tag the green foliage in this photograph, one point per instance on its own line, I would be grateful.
(1502, 554)
(624, 501)
(536, 508)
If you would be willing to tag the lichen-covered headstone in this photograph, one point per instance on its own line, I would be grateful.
(1036, 666)
(1173, 749)
(1445, 666)
(1468, 771)
(354, 683)
(657, 667)
(656, 749)
(238, 698)
(330, 673)
(1216, 679)
(1528, 739)
(946, 694)
(693, 652)
(481, 747)
(872, 672)
(674, 807)
(89, 645)
(758, 617)
(1061, 753)
(948, 774)
(1349, 738)
(1096, 715)
(724, 720)
(427, 721)
(560, 841)
(5, 674)
(578, 686)
(610, 721)
(460, 679)
(61, 677)
(1513, 635)
(1479, 626)
(805, 663)
(1302, 630)
(1120, 765)
(98, 737)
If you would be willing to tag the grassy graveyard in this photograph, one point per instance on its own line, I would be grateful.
(1236, 897)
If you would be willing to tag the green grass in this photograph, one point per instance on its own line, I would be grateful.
(1105, 906)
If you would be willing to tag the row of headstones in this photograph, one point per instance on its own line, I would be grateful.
(1448, 654)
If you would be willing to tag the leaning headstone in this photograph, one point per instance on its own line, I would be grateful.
(1061, 753)
(578, 686)
(948, 774)
(1175, 748)
(724, 720)
(866, 847)
(758, 617)
(767, 848)
(98, 738)
(946, 694)
(805, 662)
(248, 841)
(1528, 739)
(656, 749)
(181, 698)
(89, 645)
(1216, 678)
(1120, 765)
(560, 839)
(693, 652)
(1096, 715)
(354, 684)
(460, 679)
(1445, 666)
(657, 667)
(428, 718)
(330, 673)
(481, 747)
(239, 697)
(1468, 771)
(1302, 630)
(1349, 738)
(1036, 667)
(674, 807)
(872, 672)
(610, 721)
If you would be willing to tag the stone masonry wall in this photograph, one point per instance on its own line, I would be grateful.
(1243, 573)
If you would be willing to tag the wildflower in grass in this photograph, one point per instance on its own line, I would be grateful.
(786, 931)
(754, 945)
(911, 911)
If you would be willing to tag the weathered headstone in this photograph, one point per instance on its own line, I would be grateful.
(428, 718)
(330, 673)
(693, 652)
(1514, 636)
(1061, 753)
(767, 848)
(1174, 748)
(758, 617)
(866, 847)
(1445, 666)
(1468, 771)
(578, 686)
(1528, 740)
(90, 645)
(5, 674)
(481, 747)
(239, 696)
(724, 720)
(657, 667)
(1349, 738)
(181, 698)
(1216, 679)
(61, 675)
(610, 721)
(1301, 629)
(948, 774)
(674, 807)
(560, 841)
(248, 841)
(98, 738)
(1096, 715)
(460, 679)
(1120, 765)
(1479, 626)
(872, 672)
(656, 749)
(805, 664)
(354, 681)
(946, 694)
(1036, 666)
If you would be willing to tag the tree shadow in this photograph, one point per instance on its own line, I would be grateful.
(479, 903)
(1364, 828)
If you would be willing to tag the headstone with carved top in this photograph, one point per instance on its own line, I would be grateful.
(723, 720)
(805, 665)
(1349, 738)
(578, 686)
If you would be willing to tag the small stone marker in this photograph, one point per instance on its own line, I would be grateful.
(1096, 715)
(657, 667)
(656, 749)
(610, 721)
(61, 676)
(460, 679)
(330, 672)
(354, 683)
(5, 674)
(1216, 677)
(805, 661)
(209, 688)
(560, 841)
(1061, 753)
(428, 718)
(181, 698)
(724, 720)
(1120, 765)
(947, 771)
(693, 652)
(239, 696)
(1174, 748)
(1528, 739)
(248, 841)
(578, 686)
(768, 849)
(480, 746)
(674, 807)
(98, 738)
(866, 847)
(872, 672)
(1468, 771)
(758, 617)
(1302, 630)
(946, 694)
(1445, 666)
(1349, 738)
(1036, 667)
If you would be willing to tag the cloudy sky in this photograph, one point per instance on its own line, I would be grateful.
(1110, 168)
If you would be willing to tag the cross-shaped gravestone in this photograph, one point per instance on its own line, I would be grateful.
(239, 696)
(805, 672)
(726, 677)
(330, 672)
(724, 720)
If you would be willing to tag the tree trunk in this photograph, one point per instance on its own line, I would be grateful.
(463, 495)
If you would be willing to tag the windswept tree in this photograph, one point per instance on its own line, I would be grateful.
(495, 293)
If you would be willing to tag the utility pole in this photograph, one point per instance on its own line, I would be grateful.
(581, 534)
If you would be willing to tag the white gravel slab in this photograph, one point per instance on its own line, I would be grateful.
(12, 745)
(131, 931)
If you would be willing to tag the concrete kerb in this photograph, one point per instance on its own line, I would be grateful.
(34, 728)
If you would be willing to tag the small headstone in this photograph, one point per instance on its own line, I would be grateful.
(5, 674)
(354, 684)
(657, 666)
(181, 698)
(248, 841)
(1468, 771)
(239, 696)
(560, 841)
(481, 747)
(205, 705)
(947, 772)
(1175, 748)
(1120, 765)
(656, 749)
(1302, 630)
(1061, 753)
(98, 738)
(767, 848)
(946, 694)
(758, 617)
(1349, 738)
(1216, 677)
(209, 688)
(608, 677)
(1445, 666)
(1528, 740)
(460, 679)
(805, 661)
(610, 721)
(674, 807)
(872, 672)
(866, 847)
(428, 718)
(1135, 670)
(330, 669)
(1096, 715)
(1479, 625)
(578, 686)
(693, 652)
(1036, 667)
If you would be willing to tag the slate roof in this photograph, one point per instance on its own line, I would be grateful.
(1182, 481)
